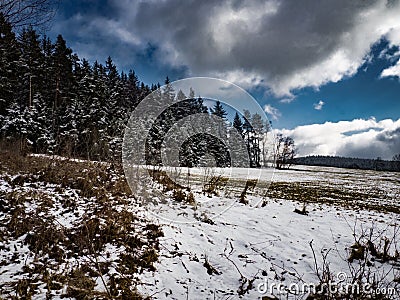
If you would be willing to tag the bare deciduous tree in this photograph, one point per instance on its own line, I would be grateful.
(285, 150)
(22, 13)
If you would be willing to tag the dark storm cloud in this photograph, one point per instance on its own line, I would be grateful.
(362, 151)
(384, 144)
(287, 44)
(391, 139)
(280, 44)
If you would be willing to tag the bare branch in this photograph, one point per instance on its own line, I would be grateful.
(22, 13)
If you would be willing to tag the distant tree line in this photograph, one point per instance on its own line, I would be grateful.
(351, 163)
(52, 101)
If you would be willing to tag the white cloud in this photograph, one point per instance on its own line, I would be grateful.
(287, 99)
(273, 112)
(247, 82)
(357, 138)
(319, 105)
(392, 71)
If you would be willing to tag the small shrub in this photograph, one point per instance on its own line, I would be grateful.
(214, 185)
(357, 252)
(25, 289)
(190, 199)
(163, 178)
(80, 286)
(179, 195)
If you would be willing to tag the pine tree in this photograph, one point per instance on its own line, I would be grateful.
(218, 110)
(38, 126)
(98, 112)
(218, 143)
(15, 126)
(168, 91)
(69, 128)
(62, 67)
(62, 90)
(238, 124)
(9, 67)
(47, 90)
(88, 106)
(32, 67)
(144, 91)
(285, 151)
(248, 132)
(117, 107)
(132, 90)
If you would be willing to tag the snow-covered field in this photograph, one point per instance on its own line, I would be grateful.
(270, 244)
(251, 249)
(248, 251)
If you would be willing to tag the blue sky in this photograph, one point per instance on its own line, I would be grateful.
(363, 95)
(304, 64)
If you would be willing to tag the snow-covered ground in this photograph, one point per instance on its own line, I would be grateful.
(251, 249)
(69, 230)
(268, 244)
(224, 249)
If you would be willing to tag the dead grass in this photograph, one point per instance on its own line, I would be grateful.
(90, 178)
(306, 192)
(214, 184)
(27, 216)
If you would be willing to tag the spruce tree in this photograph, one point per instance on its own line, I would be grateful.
(168, 91)
(62, 68)
(32, 67)
(132, 90)
(238, 124)
(218, 110)
(9, 67)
